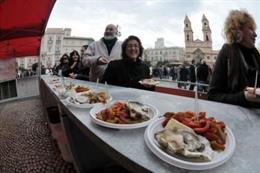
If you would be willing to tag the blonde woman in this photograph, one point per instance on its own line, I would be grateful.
(237, 63)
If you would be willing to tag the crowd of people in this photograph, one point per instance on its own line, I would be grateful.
(109, 60)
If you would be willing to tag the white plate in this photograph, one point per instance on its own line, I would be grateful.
(182, 162)
(85, 105)
(153, 112)
(143, 82)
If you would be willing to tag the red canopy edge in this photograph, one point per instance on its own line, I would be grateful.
(22, 25)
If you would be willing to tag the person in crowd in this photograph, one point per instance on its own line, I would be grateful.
(74, 62)
(202, 75)
(130, 70)
(63, 66)
(192, 74)
(82, 72)
(183, 76)
(237, 63)
(101, 52)
(172, 72)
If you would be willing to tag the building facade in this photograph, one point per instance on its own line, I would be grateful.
(159, 43)
(170, 54)
(55, 42)
(199, 49)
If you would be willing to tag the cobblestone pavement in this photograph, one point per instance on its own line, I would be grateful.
(26, 145)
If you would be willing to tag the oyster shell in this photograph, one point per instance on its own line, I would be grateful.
(81, 99)
(138, 110)
(184, 142)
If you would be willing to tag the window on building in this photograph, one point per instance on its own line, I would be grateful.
(207, 38)
(50, 40)
(188, 37)
(187, 25)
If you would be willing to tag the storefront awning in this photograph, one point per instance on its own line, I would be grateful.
(22, 25)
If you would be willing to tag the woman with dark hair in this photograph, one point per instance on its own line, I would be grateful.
(63, 66)
(237, 64)
(78, 70)
(129, 70)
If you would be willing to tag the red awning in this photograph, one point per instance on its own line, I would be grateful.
(22, 25)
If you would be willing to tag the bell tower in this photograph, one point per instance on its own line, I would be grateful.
(188, 33)
(206, 31)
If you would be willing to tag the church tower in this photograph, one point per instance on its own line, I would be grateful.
(188, 33)
(206, 31)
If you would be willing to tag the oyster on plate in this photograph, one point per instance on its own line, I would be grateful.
(138, 110)
(184, 142)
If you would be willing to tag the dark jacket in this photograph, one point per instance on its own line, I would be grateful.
(229, 77)
(192, 73)
(126, 73)
(82, 72)
(203, 72)
(65, 69)
(184, 73)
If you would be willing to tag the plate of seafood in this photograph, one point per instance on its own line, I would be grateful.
(88, 99)
(190, 142)
(123, 114)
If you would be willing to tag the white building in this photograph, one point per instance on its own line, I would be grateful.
(55, 42)
(170, 54)
(159, 43)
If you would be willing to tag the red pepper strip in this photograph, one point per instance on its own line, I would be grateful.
(202, 129)
(190, 123)
(202, 114)
(213, 137)
(189, 114)
(178, 118)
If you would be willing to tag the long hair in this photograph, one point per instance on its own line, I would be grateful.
(62, 58)
(124, 45)
(71, 56)
(234, 24)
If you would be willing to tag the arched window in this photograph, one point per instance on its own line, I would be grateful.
(207, 38)
(188, 37)
(187, 25)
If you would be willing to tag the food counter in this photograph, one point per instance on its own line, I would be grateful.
(128, 147)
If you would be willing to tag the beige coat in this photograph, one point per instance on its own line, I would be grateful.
(96, 50)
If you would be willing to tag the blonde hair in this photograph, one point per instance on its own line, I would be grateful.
(234, 24)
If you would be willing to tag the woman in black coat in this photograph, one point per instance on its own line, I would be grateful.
(129, 70)
(237, 63)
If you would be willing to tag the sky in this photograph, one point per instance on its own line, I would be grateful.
(149, 19)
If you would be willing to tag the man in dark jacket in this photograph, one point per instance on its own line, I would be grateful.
(192, 75)
(202, 76)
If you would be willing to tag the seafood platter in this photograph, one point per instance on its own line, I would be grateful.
(190, 142)
(123, 114)
(88, 99)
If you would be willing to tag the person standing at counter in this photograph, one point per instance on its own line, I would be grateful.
(78, 71)
(99, 53)
(129, 70)
(63, 66)
(237, 63)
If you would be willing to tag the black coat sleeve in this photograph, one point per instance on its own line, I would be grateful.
(109, 75)
(219, 90)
